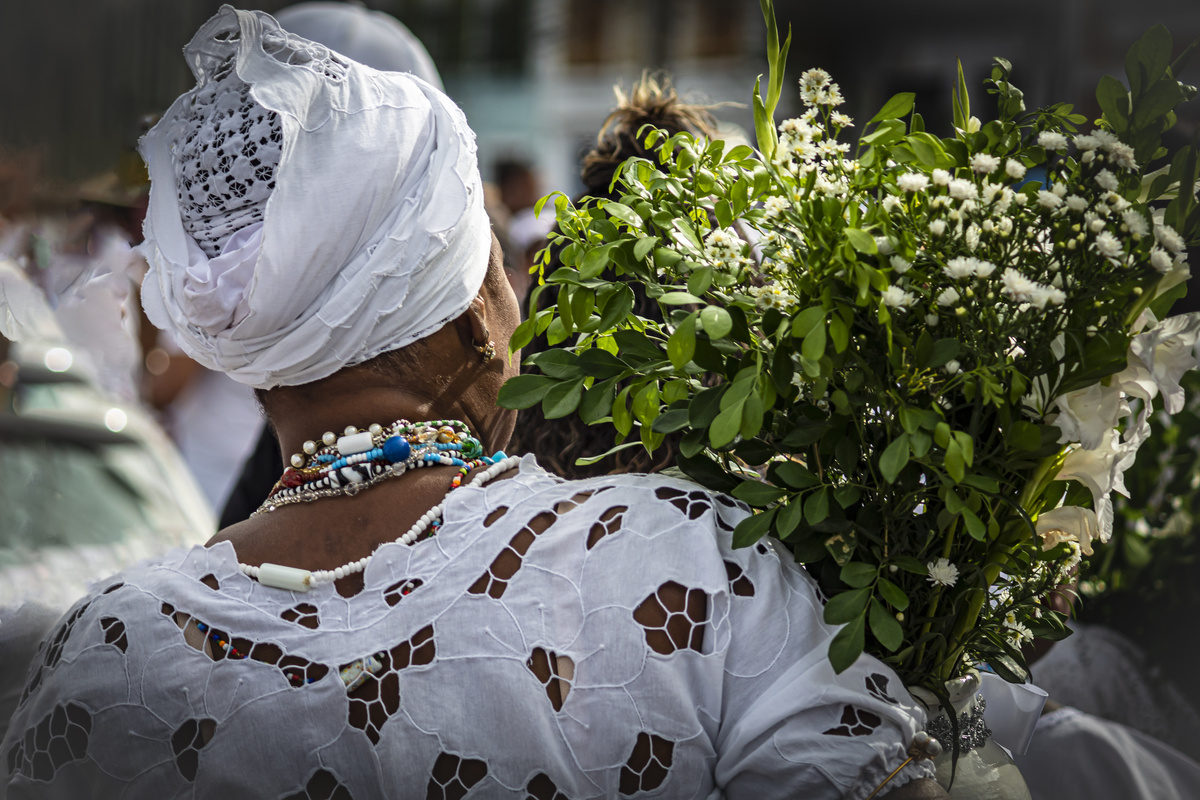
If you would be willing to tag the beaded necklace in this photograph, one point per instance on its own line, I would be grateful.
(358, 460)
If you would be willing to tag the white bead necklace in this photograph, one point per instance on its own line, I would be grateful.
(301, 580)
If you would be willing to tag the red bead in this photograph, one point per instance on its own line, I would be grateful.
(291, 478)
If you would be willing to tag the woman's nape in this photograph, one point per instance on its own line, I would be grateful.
(443, 376)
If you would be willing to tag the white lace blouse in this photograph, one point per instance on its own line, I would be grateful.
(625, 650)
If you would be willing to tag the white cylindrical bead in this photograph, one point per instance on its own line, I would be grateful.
(354, 443)
(339, 573)
(281, 577)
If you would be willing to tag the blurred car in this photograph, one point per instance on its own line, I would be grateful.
(87, 487)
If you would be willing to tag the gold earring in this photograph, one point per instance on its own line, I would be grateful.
(487, 351)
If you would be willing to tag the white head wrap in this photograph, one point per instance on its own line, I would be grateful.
(374, 38)
(307, 213)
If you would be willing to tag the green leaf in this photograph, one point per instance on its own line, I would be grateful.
(597, 401)
(623, 213)
(886, 628)
(724, 213)
(967, 445)
(559, 364)
(806, 320)
(645, 403)
(839, 333)
(616, 308)
(847, 645)
(757, 493)
(524, 391)
(682, 344)
(643, 247)
(888, 132)
(894, 458)
(892, 594)
(764, 127)
(588, 461)
(679, 298)
(813, 346)
(975, 526)
(789, 518)
(725, 427)
(670, 421)
(522, 336)
(1114, 102)
(622, 419)
(816, 507)
(794, 474)
(953, 460)
(600, 363)
(861, 241)
(961, 101)
(699, 281)
(595, 261)
(705, 405)
(562, 399)
(856, 574)
(942, 352)
(898, 106)
(752, 528)
(845, 606)
(716, 321)
(847, 496)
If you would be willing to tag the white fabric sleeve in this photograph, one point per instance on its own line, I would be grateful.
(792, 727)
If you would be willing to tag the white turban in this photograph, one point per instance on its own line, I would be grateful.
(307, 213)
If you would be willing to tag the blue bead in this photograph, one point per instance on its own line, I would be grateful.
(396, 449)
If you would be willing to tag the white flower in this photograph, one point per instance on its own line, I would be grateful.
(897, 298)
(952, 367)
(931, 320)
(1049, 199)
(1122, 155)
(1019, 634)
(772, 296)
(984, 163)
(1014, 169)
(1068, 524)
(1106, 180)
(912, 181)
(841, 120)
(891, 204)
(1052, 140)
(948, 297)
(1161, 260)
(1020, 198)
(1059, 190)
(960, 268)
(983, 269)
(900, 264)
(973, 125)
(1135, 222)
(884, 246)
(774, 206)
(1168, 238)
(814, 79)
(1102, 470)
(1085, 142)
(937, 227)
(1158, 358)
(942, 572)
(1076, 203)
(1017, 286)
(1088, 415)
(1042, 296)
(1107, 245)
(941, 177)
(962, 189)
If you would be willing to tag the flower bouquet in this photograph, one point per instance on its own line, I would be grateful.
(913, 355)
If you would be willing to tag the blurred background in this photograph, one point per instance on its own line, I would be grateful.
(535, 77)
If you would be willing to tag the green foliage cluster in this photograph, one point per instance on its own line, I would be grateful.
(868, 350)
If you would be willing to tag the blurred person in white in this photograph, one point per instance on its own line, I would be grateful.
(518, 636)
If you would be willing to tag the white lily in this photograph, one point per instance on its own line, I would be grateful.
(1068, 524)
(1102, 469)
(1158, 358)
(1088, 415)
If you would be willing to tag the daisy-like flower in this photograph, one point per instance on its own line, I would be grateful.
(891, 204)
(774, 206)
(841, 120)
(984, 163)
(912, 181)
(895, 297)
(1059, 190)
(1017, 286)
(900, 264)
(1160, 260)
(941, 177)
(1049, 199)
(772, 296)
(1076, 203)
(937, 227)
(1106, 180)
(1107, 245)
(1085, 142)
(1014, 169)
(1052, 140)
(1042, 296)
(962, 189)
(960, 268)
(1168, 238)
(984, 269)
(942, 572)
(1121, 154)
(948, 297)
